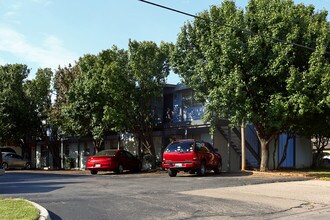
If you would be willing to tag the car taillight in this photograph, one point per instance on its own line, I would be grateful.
(195, 158)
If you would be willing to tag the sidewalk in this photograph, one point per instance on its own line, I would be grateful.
(292, 199)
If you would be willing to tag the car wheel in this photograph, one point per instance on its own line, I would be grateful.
(5, 166)
(120, 169)
(139, 168)
(172, 173)
(202, 170)
(93, 172)
(27, 166)
(218, 168)
(192, 172)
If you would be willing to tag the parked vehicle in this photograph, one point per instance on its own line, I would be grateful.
(113, 160)
(7, 149)
(14, 161)
(325, 159)
(191, 156)
(2, 170)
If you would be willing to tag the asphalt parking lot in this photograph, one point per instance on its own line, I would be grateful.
(79, 195)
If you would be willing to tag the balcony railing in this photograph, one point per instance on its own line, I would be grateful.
(187, 114)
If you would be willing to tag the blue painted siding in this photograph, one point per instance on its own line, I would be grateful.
(290, 157)
(252, 138)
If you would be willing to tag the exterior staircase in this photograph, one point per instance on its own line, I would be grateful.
(252, 157)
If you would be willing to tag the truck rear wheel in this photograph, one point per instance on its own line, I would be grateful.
(218, 168)
(172, 173)
(202, 170)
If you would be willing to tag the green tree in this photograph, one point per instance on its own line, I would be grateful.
(38, 92)
(90, 93)
(62, 81)
(118, 90)
(139, 92)
(241, 62)
(24, 105)
(14, 118)
(311, 90)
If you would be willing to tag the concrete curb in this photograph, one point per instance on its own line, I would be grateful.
(43, 213)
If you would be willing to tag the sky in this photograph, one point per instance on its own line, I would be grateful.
(52, 33)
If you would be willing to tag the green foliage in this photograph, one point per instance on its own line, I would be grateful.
(252, 73)
(116, 90)
(83, 109)
(63, 79)
(38, 92)
(24, 104)
(14, 104)
(148, 68)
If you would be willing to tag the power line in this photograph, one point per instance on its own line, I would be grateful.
(229, 26)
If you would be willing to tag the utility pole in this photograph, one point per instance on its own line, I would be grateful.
(62, 153)
(243, 145)
(229, 140)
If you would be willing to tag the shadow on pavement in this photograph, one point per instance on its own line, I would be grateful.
(212, 174)
(53, 216)
(34, 182)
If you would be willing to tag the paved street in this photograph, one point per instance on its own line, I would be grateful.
(78, 195)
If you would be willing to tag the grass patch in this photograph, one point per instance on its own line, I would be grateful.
(320, 174)
(12, 209)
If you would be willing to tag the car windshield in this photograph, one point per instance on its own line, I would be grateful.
(180, 147)
(106, 153)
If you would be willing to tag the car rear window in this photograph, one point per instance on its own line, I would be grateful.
(180, 147)
(106, 153)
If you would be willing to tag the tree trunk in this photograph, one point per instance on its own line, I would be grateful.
(274, 152)
(264, 138)
(97, 145)
(264, 155)
(149, 147)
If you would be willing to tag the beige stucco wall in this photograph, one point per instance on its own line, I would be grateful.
(207, 137)
(235, 160)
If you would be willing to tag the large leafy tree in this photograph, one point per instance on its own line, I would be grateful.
(62, 81)
(117, 90)
(14, 118)
(311, 90)
(38, 92)
(24, 104)
(90, 93)
(242, 62)
(139, 92)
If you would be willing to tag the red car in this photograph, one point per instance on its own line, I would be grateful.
(113, 160)
(191, 156)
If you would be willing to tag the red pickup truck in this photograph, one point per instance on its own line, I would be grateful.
(191, 156)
